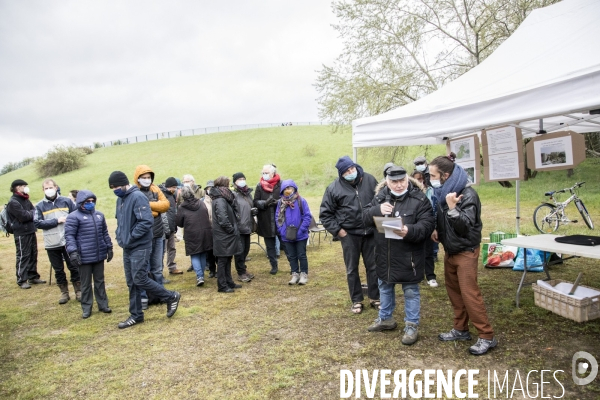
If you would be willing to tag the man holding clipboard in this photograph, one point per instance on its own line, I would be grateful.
(400, 254)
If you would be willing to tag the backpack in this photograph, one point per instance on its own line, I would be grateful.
(5, 224)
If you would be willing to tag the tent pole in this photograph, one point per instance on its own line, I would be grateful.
(354, 155)
(518, 187)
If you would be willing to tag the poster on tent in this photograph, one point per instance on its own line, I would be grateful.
(555, 151)
(502, 155)
(466, 149)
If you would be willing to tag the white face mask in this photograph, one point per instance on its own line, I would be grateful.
(145, 182)
(435, 183)
(186, 185)
(399, 194)
(26, 190)
(50, 193)
(241, 183)
(421, 168)
(266, 177)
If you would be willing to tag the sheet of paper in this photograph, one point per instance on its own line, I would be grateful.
(389, 225)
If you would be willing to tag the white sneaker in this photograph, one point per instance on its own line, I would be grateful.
(295, 278)
(432, 283)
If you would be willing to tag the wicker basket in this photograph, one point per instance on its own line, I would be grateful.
(566, 306)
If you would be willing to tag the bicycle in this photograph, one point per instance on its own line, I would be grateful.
(548, 216)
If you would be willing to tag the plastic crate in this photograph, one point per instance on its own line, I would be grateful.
(565, 305)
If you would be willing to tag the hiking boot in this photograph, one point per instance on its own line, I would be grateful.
(244, 278)
(173, 304)
(129, 322)
(411, 331)
(454, 335)
(25, 285)
(176, 271)
(36, 281)
(273, 270)
(295, 278)
(190, 269)
(432, 283)
(64, 293)
(303, 278)
(482, 346)
(200, 282)
(383, 325)
(77, 287)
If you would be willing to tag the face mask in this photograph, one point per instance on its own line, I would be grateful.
(266, 177)
(186, 185)
(50, 193)
(26, 190)
(288, 192)
(351, 177)
(421, 167)
(399, 194)
(119, 192)
(241, 184)
(145, 182)
(89, 206)
(435, 183)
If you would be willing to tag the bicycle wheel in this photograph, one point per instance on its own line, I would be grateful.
(545, 218)
(584, 213)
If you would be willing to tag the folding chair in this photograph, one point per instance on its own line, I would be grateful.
(316, 229)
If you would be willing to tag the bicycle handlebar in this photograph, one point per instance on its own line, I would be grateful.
(576, 185)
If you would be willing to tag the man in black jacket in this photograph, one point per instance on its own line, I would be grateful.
(169, 189)
(21, 214)
(342, 215)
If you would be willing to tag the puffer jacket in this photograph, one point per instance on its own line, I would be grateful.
(244, 205)
(172, 208)
(226, 235)
(342, 205)
(134, 220)
(192, 216)
(299, 216)
(402, 260)
(22, 214)
(460, 229)
(86, 232)
(47, 214)
(158, 202)
(266, 215)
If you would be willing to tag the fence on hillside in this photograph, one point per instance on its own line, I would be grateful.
(201, 131)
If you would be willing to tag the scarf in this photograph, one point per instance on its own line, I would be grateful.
(243, 190)
(286, 202)
(269, 185)
(23, 195)
(455, 183)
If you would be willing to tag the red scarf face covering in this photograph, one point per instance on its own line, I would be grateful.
(269, 185)
(23, 195)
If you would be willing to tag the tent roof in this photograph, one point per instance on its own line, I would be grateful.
(548, 68)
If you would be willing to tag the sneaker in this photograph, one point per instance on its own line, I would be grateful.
(295, 278)
(212, 274)
(432, 283)
(251, 276)
(303, 278)
(190, 269)
(144, 304)
(173, 304)
(200, 282)
(129, 322)
(383, 325)
(454, 335)
(244, 278)
(166, 281)
(411, 331)
(482, 346)
(273, 270)
(25, 285)
(36, 281)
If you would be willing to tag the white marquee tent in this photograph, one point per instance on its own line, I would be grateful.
(548, 69)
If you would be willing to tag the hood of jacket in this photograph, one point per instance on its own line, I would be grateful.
(82, 196)
(286, 184)
(191, 204)
(141, 170)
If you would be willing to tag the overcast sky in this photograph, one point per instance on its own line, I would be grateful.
(78, 72)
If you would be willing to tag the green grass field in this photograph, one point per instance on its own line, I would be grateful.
(270, 340)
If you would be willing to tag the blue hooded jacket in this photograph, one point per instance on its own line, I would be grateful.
(293, 216)
(134, 220)
(86, 232)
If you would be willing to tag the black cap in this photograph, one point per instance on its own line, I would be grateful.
(170, 182)
(396, 173)
(117, 178)
(386, 167)
(237, 176)
(18, 182)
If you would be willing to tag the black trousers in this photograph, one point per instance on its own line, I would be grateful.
(87, 272)
(429, 259)
(27, 254)
(240, 259)
(211, 261)
(56, 257)
(224, 279)
(353, 246)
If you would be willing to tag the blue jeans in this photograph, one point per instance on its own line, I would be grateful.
(199, 264)
(135, 264)
(155, 266)
(412, 301)
(296, 255)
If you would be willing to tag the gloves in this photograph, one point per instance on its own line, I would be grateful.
(254, 211)
(75, 259)
(110, 255)
(270, 201)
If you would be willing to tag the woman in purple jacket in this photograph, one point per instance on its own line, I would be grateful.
(88, 245)
(293, 218)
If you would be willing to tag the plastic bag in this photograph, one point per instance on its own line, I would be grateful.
(498, 256)
(535, 260)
